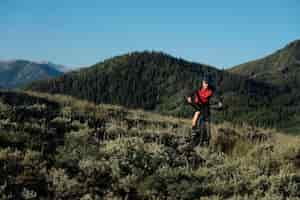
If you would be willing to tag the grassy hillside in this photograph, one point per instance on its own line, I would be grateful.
(20, 72)
(57, 147)
(158, 82)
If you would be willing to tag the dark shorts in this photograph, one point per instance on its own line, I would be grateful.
(204, 111)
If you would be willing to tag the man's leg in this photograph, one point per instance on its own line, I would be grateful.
(195, 118)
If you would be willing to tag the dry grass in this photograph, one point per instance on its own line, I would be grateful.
(279, 139)
(139, 114)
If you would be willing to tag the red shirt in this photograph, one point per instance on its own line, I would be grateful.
(204, 95)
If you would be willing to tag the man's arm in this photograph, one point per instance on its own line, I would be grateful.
(191, 96)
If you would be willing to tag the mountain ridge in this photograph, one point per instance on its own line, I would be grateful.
(159, 82)
(281, 69)
(16, 73)
(273, 68)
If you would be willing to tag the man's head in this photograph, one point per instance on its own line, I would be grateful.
(205, 83)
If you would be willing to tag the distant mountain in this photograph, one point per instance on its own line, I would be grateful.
(20, 72)
(158, 82)
(61, 68)
(279, 68)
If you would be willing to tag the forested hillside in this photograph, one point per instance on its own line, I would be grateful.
(281, 69)
(158, 82)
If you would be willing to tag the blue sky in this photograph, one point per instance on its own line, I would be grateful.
(81, 33)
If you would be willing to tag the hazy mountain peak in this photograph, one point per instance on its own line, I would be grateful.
(15, 73)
